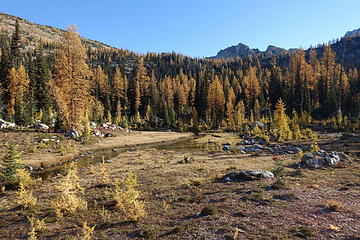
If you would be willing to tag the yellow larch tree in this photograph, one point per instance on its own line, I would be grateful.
(70, 84)
(216, 102)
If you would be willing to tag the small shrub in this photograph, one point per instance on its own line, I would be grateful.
(104, 172)
(68, 201)
(36, 225)
(42, 145)
(304, 232)
(207, 211)
(148, 231)
(87, 231)
(279, 173)
(127, 199)
(25, 198)
(66, 148)
(333, 205)
(258, 195)
(24, 178)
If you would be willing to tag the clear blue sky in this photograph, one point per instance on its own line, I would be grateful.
(197, 28)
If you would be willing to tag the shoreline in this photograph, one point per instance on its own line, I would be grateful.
(138, 139)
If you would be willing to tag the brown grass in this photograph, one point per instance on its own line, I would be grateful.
(175, 194)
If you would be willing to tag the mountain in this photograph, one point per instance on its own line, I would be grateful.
(241, 50)
(33, 33)
(347, 51)
(353, 33)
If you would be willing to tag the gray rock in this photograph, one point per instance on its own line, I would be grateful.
(5, 124)
(255, 148)
(248, 175)
(294, 150)
(109, 161)
(240, 148)
(226, 147)
(41, 126)
(322, 158)
(73, 134)
(97, 133)
(29, 168)
(343, 156)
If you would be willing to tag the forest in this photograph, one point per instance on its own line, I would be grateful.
(66, 85)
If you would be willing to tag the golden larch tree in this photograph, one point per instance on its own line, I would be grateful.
(216, 102)
(70, 84)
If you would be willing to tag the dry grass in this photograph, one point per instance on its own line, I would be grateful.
(176, 193)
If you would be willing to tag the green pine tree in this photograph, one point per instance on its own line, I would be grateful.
(11, 162)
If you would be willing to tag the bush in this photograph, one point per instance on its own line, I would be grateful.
(279, 173)
(68, 201)
(25, 198)
(207, 211)
(304, 232)
(333, 205)
(87, 231)
(127, 199)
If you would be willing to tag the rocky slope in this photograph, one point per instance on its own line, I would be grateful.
(33, 33)
(241, 50)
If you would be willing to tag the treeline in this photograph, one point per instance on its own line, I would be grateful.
(73, 84)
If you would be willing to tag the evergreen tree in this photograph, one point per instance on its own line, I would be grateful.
(11, 162)
(15, 47)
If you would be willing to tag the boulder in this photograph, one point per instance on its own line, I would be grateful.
(41, 126)
(248, 175)
(255, 148)
(322, 158)
(73, 134)
(294, 150)
(5, 124)
(93, 125)
(97, 133)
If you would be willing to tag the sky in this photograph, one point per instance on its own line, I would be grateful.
(197, 28)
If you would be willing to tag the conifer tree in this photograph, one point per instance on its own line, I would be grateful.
(281, 122)
(70, 84)
(230, 118)
(12, 89)
(295, 125)
(15, 47)
(11, 162)
(216, 102)
(22, 81)
(240, 115)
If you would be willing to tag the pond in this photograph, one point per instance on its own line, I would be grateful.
(89, 158)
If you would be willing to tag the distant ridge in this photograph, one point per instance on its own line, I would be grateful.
(33, 33)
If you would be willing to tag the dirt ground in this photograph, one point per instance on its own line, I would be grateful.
(175, 193)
